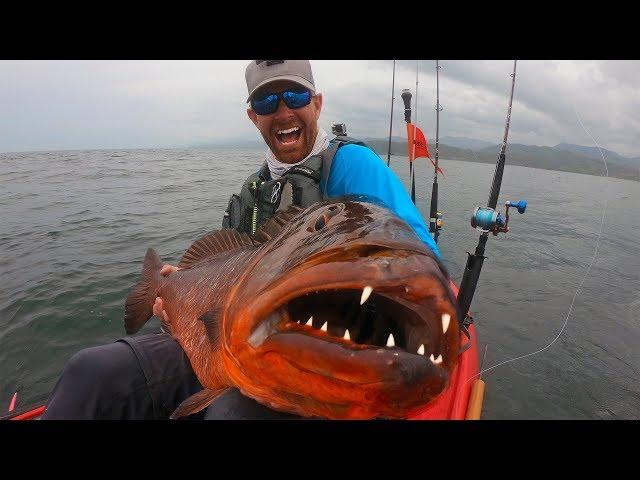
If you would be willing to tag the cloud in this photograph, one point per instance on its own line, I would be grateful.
(48, 105)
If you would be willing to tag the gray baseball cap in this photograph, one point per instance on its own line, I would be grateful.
(261, 72)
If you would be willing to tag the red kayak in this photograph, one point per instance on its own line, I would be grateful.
(454, 402)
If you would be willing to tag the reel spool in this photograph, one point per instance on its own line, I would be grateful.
(487, 219)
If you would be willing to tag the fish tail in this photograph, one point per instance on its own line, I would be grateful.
(138, 307)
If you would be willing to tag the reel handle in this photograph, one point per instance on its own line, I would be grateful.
(520, 205)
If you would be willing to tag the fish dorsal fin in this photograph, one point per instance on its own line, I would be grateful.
(197, 402)
(213, 243)
(275, 224)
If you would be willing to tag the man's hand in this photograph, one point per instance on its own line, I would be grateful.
(167, 270)
(159, 311)
(158, 307)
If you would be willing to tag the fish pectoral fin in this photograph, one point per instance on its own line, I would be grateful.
(212, 321)
(213, 243)
(197, 402)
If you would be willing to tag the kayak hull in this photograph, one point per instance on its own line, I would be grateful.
(453, 402)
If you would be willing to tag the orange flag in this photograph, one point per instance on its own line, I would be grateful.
(417, 145)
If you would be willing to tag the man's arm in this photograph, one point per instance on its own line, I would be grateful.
(359, 170)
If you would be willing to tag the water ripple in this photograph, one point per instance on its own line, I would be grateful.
(76, 226)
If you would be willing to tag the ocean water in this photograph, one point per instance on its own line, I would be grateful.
(75, 226)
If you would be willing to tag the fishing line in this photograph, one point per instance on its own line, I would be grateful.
(593, 259)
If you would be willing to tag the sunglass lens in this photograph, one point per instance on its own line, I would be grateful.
(297, 99)
(265, 105)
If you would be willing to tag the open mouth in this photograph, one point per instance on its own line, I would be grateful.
(289, 136)
(366, 319)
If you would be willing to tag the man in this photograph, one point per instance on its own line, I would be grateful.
(147, 376)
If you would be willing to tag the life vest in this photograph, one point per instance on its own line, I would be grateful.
(260, 196)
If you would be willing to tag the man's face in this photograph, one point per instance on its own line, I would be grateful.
(295, 145)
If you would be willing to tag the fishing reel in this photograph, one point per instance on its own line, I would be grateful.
(487, 219)
(439, 221)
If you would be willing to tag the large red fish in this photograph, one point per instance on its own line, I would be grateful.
(338, 311)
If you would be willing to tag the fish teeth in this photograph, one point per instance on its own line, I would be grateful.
(366, 291)
(309, 322)
(436, 361)
(324, 327)
(390, 342)
(446, 318)
(421, 350)
(346, 335)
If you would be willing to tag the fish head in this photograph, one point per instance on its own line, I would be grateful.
(345, 313)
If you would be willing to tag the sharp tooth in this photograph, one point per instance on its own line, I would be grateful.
(365, 294)
(437, 361)
(346, 335)
(421, 350)
(309, 322)
(324, 327)
(446, 318)
(390, 342)
(432, 358)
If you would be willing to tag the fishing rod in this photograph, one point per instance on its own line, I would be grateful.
(412, 171)
(393, 83)
(406, 98)
(487, 220)
(435, 217)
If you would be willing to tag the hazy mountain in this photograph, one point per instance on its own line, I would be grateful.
(399, 147)
(594, 152)
(548, 158)
(466, 143)
(394, 139)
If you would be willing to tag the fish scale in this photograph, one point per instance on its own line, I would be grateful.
(235, 305)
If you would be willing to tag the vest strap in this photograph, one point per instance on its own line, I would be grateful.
(327, 160)
(306, 171)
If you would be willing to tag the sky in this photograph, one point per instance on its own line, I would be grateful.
(95, 104)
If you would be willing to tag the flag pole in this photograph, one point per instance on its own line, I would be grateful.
(406, 98)
(411, 165)
(393, 83)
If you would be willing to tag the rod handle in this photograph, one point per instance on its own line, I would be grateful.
(475, 400)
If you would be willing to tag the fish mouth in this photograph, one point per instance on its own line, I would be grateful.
(382, 320)
(398, 332)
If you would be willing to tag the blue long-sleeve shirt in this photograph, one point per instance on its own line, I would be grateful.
(358, 170)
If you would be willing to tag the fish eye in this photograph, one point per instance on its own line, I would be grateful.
(320, 223)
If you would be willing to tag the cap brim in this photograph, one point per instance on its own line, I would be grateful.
(293, 78)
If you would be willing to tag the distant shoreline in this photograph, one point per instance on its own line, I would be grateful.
(507, 165)
(573, 163)
(544, 158)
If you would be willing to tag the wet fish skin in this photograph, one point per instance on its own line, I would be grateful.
(229, 304)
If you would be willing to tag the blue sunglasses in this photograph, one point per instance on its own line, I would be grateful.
(268, 104)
